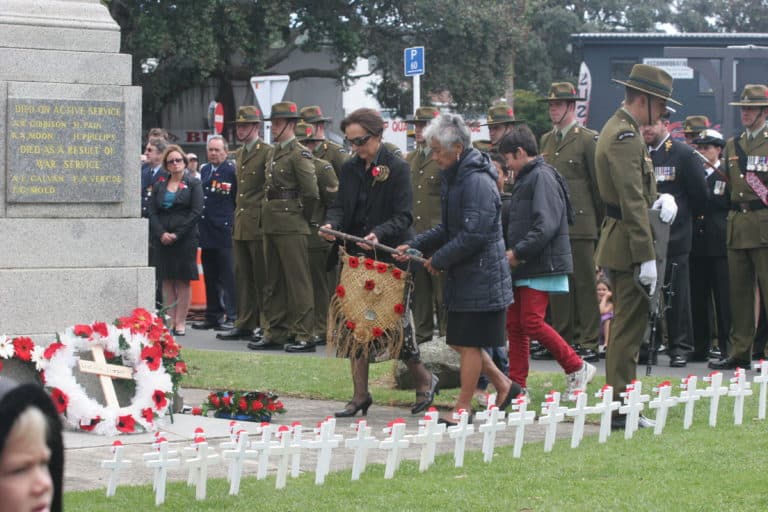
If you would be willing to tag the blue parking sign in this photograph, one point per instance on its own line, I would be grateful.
(413, 60)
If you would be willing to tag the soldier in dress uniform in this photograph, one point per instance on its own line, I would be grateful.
(628, 188)
(709, 253)
(319, 249)
(289, 202)
(679, 170)
(425, 180)
(151, 171)
(500, 120)
(323, 148)
(215, 228)
(693, 126)
(248, 245)
(570, 149)
(746, 165)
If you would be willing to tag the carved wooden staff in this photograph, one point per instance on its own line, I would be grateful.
(413, 254)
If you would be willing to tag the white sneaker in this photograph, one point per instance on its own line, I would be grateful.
(579, 379)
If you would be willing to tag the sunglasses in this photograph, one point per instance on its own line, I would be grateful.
(174, 161)
(358, 141)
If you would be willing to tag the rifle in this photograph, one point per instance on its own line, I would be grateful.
(413, 254)
(657, 311)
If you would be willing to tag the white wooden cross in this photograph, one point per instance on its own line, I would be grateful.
(361, 444)
(663, 403)
(106, 373)
(237, 456)
(430, 432)
(159, 437)
(324, 442)
(191, 452)
(634, 403)
(298, 442)
(460, 432)
(285, 450)
(714, 392)
(519, 417)
(494, 422)
(739, 389)
(761, 379)
(394, 444)
(114, 466)
(605, 409)
(199, 467)
(552, 414)
(162, 463)
(262, 446)
(688, 396)
(579, 414)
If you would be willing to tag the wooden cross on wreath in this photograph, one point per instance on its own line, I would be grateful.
(106, 373)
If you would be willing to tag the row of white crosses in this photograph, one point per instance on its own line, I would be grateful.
(287, 442)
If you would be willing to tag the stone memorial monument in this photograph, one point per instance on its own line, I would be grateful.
(73, 247)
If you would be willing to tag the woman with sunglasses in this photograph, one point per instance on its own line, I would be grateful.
(376, 205)
(174, 210)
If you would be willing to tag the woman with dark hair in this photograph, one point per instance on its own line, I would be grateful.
(31, 450)
(468, 246)
(174, 210)
(539, 253)
(376, 206)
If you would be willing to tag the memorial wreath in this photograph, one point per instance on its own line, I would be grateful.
(138, 348)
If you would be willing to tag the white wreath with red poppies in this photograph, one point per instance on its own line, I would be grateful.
(154, 386)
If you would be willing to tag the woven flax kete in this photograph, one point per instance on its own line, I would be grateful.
(368, 309)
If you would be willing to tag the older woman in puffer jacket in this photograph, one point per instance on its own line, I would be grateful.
(469, 248)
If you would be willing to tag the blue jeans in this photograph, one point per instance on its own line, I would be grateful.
(501, 360)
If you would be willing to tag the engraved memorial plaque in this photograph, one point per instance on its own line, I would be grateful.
(65, 151)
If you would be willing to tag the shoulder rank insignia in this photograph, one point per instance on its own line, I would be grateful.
(596, 136)
(576, 129)
(628, 134)
(668, 145)
(306, 154)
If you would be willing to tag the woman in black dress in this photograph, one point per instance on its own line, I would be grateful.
(174, 210)
(468, 246)
(376, 207)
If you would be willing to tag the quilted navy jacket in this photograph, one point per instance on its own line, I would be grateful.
(468, 245)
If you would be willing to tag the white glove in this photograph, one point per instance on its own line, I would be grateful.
(666, 203)
(648, 276)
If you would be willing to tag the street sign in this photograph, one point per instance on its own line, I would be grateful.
(677, 68)
(413, 61)
(268, 91)
(218, 118)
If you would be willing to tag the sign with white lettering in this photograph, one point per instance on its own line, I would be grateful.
(65, 151)
(677, 68)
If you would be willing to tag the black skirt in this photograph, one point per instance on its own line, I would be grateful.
(476, 328)
(177, 261)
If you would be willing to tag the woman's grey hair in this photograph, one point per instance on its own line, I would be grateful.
(448, 130)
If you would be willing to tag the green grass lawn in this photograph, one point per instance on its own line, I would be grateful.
(704, 469)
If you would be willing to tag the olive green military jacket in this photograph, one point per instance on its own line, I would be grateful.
(290, 170)
(425, 180)
(574, 159)
(250, 191)
(328, 187)
(625, 180)
(747, 229)
(333, 153)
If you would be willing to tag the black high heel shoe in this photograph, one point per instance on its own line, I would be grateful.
(429, 396)
(351, 408)
(514, 390)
